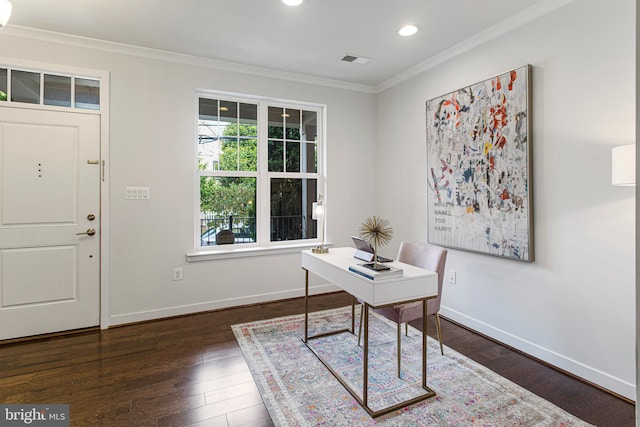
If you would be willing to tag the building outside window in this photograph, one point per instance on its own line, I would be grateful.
(258, 171)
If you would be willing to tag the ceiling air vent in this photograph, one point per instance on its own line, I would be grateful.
(356, 59)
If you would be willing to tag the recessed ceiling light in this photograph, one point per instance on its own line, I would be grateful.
(408, 30)
(292, 2)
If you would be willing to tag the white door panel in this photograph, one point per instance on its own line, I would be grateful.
(24, 285)
(40, 168)
(49, 274)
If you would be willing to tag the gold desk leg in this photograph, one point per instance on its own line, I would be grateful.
(365, 357)
(306, 305)
(399, 348)
(424, 343)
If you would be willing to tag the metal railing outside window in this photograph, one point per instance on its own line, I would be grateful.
(291, 227)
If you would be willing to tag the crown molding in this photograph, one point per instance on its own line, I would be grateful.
(533, 12)
(530, 14)
(179, 58)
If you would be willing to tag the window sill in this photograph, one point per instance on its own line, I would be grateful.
(249, 252)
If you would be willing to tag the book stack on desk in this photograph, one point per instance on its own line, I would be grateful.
(368, 272)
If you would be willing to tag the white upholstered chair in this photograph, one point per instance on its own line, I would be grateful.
(430, 257)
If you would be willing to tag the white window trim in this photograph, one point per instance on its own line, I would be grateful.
(252, 251)
(264, 246)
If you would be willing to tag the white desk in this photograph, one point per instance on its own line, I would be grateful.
(416, 284)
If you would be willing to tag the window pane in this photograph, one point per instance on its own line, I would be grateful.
(248, 120)
(87, 94)
(228, 111)
(227, 210)
(276, 156)
(57, 90)
(309, 158)
(293, 156)
(3, 84)
(208, 147)
(25, 87)
(229, 153)
(207, 109)
(248, 154)
(291, 213)
(309, 126)
(292, 120)
(276, 123)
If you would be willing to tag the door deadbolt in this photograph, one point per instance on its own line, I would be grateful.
(91, 217)
(90, 232)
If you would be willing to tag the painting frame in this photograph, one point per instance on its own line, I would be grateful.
(479, 167)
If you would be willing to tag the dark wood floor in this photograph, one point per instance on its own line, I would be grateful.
(189, 371)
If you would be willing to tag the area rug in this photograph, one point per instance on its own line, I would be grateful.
(298, 390)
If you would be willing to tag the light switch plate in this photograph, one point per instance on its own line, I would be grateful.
(137, 193)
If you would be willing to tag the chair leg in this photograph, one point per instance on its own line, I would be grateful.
(360, 325)
(406, 329)
(439, 333)
(399, 347)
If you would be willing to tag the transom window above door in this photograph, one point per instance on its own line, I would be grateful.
(41, 88)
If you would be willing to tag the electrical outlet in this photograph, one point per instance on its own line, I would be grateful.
(177, 273)
(452, 276)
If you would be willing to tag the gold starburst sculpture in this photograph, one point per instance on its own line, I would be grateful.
(378, 232)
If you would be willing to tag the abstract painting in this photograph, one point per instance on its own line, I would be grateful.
(479, 167)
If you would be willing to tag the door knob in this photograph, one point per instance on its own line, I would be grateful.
(90, 232)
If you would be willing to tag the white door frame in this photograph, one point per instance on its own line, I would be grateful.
(104, 78)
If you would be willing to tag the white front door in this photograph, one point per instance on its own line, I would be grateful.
(49, 195)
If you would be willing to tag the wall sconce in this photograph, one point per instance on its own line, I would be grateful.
(318, 214)
(5, 12)
(623, 165)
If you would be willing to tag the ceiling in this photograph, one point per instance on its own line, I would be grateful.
(309, 40)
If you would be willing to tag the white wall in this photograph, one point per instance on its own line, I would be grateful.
(152, 143)
(574, 306)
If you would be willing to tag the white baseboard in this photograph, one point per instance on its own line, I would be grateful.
(588, 373)
(141, 316)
